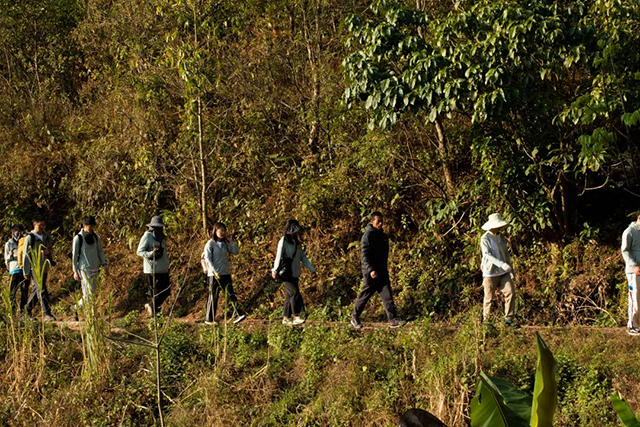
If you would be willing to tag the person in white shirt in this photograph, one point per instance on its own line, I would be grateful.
(631, 254)
(497, 271)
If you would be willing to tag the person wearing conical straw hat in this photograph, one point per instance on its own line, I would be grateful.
(497, 271)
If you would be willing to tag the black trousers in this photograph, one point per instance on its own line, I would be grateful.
(293, 304)
(224, 285)
(381, 285)
(37, 294)
(162, 288)
(18, 282)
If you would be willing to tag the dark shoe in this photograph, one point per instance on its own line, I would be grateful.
(511, 323)
(634, 332)
(396, 323)
(356, 323)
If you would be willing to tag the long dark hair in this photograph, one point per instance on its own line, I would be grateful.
(292, 231)
(217, 226)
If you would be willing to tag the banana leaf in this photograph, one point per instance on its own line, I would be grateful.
(624, 411)
(498, 403)
(545, 390)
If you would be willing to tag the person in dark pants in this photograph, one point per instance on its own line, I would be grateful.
(153, 249)
(37, 255)
(216, 257)
(291, 254)
(374, 247)
(15, 270)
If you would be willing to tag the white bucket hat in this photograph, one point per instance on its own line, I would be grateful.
(495, 221)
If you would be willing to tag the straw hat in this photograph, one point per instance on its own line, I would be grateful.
(495, 221)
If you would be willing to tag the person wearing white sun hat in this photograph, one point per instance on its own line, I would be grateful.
(497, 271)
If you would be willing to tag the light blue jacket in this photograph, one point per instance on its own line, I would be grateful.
(495, 255)
(216, 256)
(287, 249)
(11, 256)
(145, 250)
(87, 257)
(631, 247)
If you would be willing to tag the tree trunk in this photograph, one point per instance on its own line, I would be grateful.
(313, 54)
(203, 164)
(444, 157)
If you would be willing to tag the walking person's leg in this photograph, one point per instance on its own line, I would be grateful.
(230, 296)
(489, 284)
(289, 292)
(634, 301)
(212, 299)
(163, 289)
(367, 291)
(24, 292)
(387, 298)
(13, 290)
(297, 304)
(506, 287)
(44, 297)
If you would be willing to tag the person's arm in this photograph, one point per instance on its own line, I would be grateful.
(208, 258)
(75, 254)
(7, 254)
(365, 251)
(26, 265)
(232, 248)
(143, 247)
(306, 262)
(627, 243)
(485, 246)
(276, 262)
(101, 257)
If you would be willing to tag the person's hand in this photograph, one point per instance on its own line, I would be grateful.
(637, 271)
(513, 276)
(273, 275)
(374, 275)
(76, 276)
(506, 267)
(217, 276)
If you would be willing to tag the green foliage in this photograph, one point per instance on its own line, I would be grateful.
(624, 411)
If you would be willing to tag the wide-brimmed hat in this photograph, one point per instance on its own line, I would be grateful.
(495, 221)
(156, 221)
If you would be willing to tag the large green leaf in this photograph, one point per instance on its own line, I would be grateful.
(545, 391)
(624, 411)
(497, 403)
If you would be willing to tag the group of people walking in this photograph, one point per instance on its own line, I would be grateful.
(28, 257)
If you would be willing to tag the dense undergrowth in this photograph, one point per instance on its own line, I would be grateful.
(318, 375)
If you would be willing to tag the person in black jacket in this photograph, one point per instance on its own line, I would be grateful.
(374, 247)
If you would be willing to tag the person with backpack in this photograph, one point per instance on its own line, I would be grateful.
(286, 268)
(631, 254)
(216, 257)
(15, 269)
(374, 248)
(37, 249)
(497, 271)
(87, 260)
(153, 249)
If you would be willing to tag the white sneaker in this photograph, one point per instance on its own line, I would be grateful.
(297, 320)
(149, 310)
(287, 321)
(210, 322)
(634, 331)
(239, 319)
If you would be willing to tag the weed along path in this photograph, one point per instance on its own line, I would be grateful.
(255, 323)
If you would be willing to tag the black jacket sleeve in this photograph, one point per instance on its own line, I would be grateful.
(365, 249)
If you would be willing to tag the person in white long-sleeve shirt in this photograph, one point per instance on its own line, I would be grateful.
(497, 271)
(216, 257)
(631, 254)
(87, 261)
(286, 268)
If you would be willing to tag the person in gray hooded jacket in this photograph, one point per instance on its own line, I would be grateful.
(15, 271)
(216, 257)
(87, 260)
(37, 250)
(153, 249)
(631, 255)
(286, 268)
